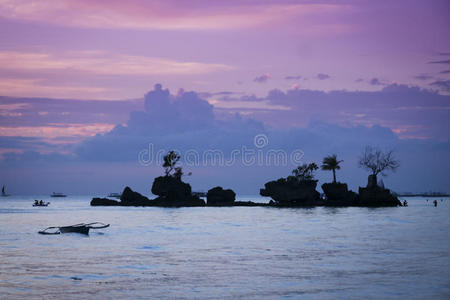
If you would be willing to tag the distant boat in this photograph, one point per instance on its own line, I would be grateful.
(77, 228)
(114, 195)
(199, 194)
(58, 195)
(40, 203)
(4, 194)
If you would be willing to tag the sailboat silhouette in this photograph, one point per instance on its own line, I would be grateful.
(4, 194)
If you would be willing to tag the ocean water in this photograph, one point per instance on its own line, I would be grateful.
(232, 252)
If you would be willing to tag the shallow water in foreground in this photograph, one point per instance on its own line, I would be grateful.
(236, 252)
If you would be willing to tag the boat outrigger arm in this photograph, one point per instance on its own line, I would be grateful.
(78, 228)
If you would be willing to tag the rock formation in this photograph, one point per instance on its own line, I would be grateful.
(132, 198)
(104, 202)
(128, 198)
(337, 194)
(173, 192)
(374, 195)
(219, 197)
(291, 192)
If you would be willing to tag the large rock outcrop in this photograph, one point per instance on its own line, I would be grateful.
(173, 192)
(104, 202)
(337, 194)
(132, 198)
(291, 192)
(377, 196)
(128, 198)
(219, 197)
(374, 195)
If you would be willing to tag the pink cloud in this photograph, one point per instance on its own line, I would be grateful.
(166, 15)
(36, 88)
(104, 63)
(35, 67)
(57, 130)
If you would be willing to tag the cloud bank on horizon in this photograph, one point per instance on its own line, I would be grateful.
(190, 124)
(320, 76)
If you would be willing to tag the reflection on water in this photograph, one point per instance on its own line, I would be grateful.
(250, 252)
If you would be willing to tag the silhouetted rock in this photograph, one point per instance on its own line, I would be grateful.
(338, 195)
(250, 203)
(104, 202)
(291, 192)
(173, 192)
(372, 181)
(373, 195)
(169, 186)
(132, 198)
(377, 196)
(219, 197)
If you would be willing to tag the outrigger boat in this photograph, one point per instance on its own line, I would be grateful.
(77, 228)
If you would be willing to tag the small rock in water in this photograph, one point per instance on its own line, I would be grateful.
(219, 197)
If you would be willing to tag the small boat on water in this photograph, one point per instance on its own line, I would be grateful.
(4, 194)
(77, 228)
(114, 195)
(40, 203)
(58, 195)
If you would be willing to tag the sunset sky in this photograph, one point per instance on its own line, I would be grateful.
(321, 76)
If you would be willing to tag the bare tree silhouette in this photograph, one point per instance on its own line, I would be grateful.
(378, 161)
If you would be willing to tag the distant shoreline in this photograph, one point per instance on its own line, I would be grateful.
(424, 195)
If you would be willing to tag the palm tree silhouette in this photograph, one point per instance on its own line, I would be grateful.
(331, 163)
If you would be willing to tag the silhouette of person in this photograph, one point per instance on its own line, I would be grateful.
(36, 202)
(435, 203)
(41, 202)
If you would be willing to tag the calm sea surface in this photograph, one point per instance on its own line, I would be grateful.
(237, 252)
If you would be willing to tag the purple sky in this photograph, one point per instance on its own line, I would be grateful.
(370, 72)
